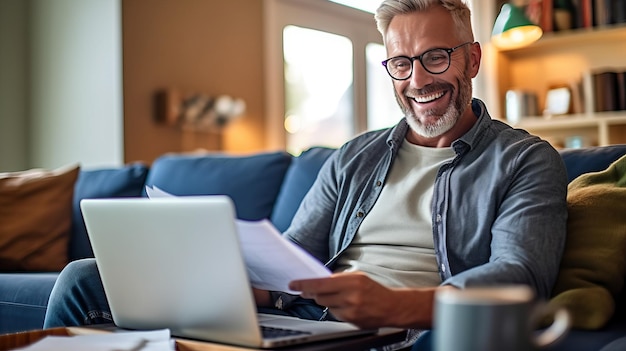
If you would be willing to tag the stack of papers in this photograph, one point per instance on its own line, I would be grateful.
(155, 340)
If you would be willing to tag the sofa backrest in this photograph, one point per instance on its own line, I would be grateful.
(252, 182)
(265, 185)
(125, 181)
(591, 159)
(298, 180)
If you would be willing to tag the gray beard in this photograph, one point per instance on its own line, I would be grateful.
(441, 126)
(449, 117)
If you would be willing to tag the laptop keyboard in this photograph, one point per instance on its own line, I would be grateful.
(272, 332)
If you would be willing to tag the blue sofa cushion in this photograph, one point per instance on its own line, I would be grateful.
(126, 181)
(298, 180)
(252, 182)
(23, 300)
(592, 159)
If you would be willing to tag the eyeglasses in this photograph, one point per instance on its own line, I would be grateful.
(435, 61)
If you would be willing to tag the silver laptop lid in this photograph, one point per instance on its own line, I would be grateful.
(153, 255)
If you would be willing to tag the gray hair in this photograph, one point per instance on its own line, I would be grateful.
(457, 8)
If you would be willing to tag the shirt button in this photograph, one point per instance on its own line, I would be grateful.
(438, 218)
(379, 183)
(443, 268)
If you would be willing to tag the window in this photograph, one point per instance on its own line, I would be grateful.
(325, 82)
(382, 108)
(318, 88)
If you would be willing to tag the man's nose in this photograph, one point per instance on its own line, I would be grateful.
(420, 76)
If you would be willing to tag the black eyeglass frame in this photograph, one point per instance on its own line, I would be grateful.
(448, 51)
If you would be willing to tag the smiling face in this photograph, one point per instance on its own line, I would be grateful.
(436, 105)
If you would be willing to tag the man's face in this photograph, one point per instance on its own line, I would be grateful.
(432, 103)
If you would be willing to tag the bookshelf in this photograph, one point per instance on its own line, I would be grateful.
(602, 128)
(566, 58)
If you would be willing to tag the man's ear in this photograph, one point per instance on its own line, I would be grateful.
(475, 56)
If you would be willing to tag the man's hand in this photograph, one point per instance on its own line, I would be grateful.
(262, 297)
(354, 297)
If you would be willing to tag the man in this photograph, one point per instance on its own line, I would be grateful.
(448, 198)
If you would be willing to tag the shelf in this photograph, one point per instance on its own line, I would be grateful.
(563, 58)
(572, 121)
(591, 130)
(556, 41)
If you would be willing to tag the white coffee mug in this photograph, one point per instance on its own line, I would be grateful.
(494, 319)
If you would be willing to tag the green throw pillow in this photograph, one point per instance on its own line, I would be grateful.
(594, 261)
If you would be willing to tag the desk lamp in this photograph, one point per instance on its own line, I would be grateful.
(513, 29)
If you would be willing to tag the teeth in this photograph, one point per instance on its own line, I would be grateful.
(428, 98)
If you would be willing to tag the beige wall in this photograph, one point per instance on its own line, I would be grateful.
(193, 46)
(13, 88)
(60, 84)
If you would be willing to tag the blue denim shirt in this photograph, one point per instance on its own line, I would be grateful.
(498, 210)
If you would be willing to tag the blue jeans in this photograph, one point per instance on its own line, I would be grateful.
(78, 298)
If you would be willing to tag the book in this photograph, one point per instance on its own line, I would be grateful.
(618, 11)
(576, 88)
(588, 92)
(605, 89)
(602, 12)
(576, 14)
(585, 13)
(547, 18)
(532, 10)
(621, 90)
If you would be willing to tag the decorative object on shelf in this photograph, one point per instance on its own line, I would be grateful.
(568, 58)
(513, 29)
(563, 15)
(558, 101)
(520, 104)
(197, 111)
(576, 142)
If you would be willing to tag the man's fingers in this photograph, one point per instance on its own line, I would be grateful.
(320, 285)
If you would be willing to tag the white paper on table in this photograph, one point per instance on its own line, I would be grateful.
(154, 340)
(271, 260)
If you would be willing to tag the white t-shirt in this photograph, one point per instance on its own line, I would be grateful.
(394, 244)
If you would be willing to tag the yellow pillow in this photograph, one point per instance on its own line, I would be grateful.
(36, 218)
(594, 261)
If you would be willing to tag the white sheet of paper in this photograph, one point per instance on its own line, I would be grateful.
(153, 191)
(155, 340)
(272, 261)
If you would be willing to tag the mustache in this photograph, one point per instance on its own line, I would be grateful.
(429, 89)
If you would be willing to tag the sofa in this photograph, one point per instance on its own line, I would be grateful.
(262, 185)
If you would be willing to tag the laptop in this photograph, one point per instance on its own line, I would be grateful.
(176, 263)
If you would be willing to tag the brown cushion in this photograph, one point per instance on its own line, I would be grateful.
(36, 218)
(594, 261)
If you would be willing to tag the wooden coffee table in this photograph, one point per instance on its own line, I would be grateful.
(385, 336)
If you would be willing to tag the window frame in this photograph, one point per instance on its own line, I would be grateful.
(322, 15)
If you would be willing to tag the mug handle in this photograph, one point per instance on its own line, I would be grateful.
(557, 330)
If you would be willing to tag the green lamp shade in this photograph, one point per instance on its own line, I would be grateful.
(513, 29)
